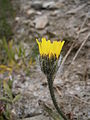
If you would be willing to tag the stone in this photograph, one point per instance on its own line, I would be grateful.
(37, 5)
(49, 5)
(30, 12)
(52, 5)
(41, 22)
(17, 19)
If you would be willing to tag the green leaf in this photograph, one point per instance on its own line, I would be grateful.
(5, 99)
(7, 89)
(10, 83)
(7, 112)
(5, 45)
(17, 97)
(0, 84)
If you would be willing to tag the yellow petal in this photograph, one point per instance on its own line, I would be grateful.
(39, 44)
(60, 48)
(50, 49)
(44, 45)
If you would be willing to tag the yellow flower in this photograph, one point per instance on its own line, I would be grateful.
(46, 48)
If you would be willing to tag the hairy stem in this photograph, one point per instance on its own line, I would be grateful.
(50, 85)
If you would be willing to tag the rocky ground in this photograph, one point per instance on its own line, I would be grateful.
(57, 19)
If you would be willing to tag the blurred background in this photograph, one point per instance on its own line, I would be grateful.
(24, 91)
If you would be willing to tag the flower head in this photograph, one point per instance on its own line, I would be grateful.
(46, 48)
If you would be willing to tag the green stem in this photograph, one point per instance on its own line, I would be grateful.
(50, 85)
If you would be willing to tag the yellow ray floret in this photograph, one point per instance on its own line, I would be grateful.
(46, 48)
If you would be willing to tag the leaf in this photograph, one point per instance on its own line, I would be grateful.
(5, 45)
(5, 99)
(4, 68)
(17, 97)
(10, 82)
(50, 111)
(11, 51)
(7, 112)
(8, 47)
(0, 83)
(7, 89)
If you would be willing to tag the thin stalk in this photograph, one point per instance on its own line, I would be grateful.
(50, 85)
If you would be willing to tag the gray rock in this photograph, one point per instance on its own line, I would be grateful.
(17, 19)
(37, 5)
(52, 5)
(41, 22)
(49, 5)
(30, 12)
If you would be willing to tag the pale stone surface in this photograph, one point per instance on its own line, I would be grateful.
(41, 22)
(17, 19)
(30, 12)
(49, 5)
